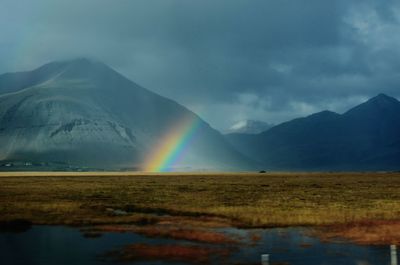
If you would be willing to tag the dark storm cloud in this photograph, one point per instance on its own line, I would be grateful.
(226, 60)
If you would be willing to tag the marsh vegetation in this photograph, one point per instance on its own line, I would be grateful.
(240, 199)
(175, 208)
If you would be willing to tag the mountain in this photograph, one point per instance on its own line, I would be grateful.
(249, 127)
(83, 113)
(367, 137)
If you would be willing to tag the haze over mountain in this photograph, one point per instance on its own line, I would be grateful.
(83, 113)
(249, 127)
(367, 137)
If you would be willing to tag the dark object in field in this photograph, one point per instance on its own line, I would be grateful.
(262, 171)
(15, 226)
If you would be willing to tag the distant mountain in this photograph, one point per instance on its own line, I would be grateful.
(83, 113)
(249, 127)
(366, 137)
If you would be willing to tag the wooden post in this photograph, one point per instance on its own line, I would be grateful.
(393, 255)
(265, 259)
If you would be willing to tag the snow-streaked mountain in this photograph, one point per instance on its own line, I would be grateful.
(249, 127)
(367, 137)
(82, 112)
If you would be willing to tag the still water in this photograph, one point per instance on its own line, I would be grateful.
(57, 245)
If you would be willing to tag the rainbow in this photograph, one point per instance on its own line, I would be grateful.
(172, 146)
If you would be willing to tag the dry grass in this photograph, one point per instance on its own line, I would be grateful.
(245, 199)
(167, 253)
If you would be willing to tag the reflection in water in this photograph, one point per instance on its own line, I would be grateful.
(48, 245)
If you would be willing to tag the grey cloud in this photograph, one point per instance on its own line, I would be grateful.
(271, 60)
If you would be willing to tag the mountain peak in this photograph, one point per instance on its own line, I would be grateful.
(76, 62)
(324, 113)
(85, 68)
(79, 68)
(83, 61)
(383, 98)
(381, 103)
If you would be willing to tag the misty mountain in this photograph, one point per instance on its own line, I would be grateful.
(82, 112)
(249, 127)
(367, 137)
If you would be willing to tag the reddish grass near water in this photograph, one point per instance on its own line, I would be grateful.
(205, 236)
(168, 253)
(115, 228)
(364, 233)
(305, 245)
(189, 234)
(255, 237)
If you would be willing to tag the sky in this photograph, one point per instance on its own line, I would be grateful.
(227, 60)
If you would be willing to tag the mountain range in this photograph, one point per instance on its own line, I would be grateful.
(83, 113)
(367, 137)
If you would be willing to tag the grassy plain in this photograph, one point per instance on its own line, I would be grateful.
(236, 199)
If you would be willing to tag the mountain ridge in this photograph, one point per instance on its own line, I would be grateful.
(85, 113)
(331, 141)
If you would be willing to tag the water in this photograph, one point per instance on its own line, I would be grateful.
(56, 245)
(293, 246)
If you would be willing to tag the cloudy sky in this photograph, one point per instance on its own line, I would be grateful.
(227, 60)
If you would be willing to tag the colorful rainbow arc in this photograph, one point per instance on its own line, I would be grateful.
(172, 146)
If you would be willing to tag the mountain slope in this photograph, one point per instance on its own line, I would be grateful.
(366, 137)
(82, 112)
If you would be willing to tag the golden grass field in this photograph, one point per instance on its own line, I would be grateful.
(239, 199)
